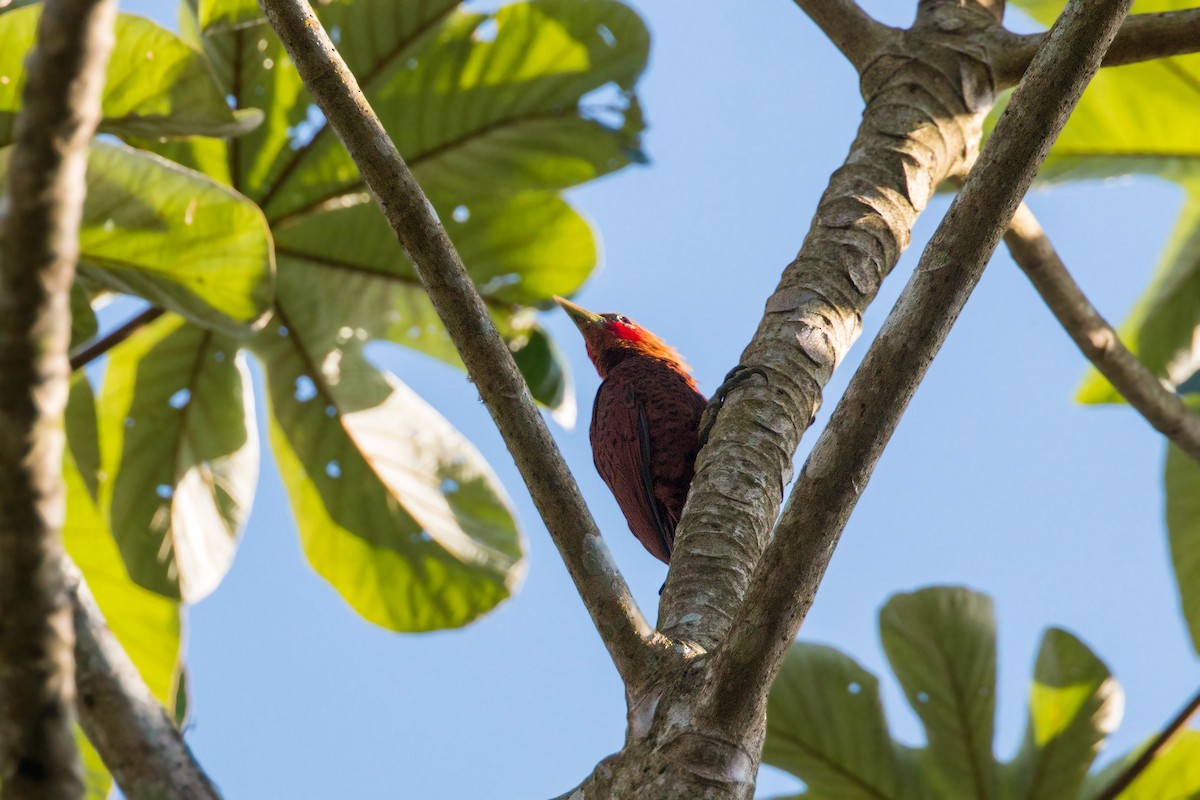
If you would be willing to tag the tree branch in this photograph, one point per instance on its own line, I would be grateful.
(853, 31)
(625, 632)
(845, 454)
(89, 352)
(1162, 408)
(61, 101)
(1143, 37)
(1152, 751)
(130, 730)
(925, 103)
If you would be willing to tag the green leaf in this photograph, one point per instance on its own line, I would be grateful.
(469, 114)
(941, 642)
(83, 319)
(157, 85)
(1074, 704)
(1135, 118)
(174, 237)
(1161, 328)
(147, 625)
(180, 448)
(1173, 775)
(83, 431)
(394, 507)
(825, 725)
(1182, 481)
(493, 127)
(519, 250)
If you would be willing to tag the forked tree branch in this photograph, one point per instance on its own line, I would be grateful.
(926, 98)
(46, 185)
(1153, 750)
(130, 730)
(853, 31)
(845, 454)
(625, 631)
(1143, 37)
(1162, 408)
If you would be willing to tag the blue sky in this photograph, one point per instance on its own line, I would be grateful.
(995, 478)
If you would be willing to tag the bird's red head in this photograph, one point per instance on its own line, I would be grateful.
(611, 338)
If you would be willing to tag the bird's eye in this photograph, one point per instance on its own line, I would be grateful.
(622, 320)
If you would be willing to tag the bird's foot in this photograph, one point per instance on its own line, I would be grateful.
(734, 379)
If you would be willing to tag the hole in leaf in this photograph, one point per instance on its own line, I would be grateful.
(606, 35)
(486, 31)
(922, 697)
(854, 687)
(165, 491)
(180, 398)
(305, 389)
(333, 469)
(461, 214)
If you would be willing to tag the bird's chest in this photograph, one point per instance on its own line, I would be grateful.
(649, 416)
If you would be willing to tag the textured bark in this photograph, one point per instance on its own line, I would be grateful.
(1143, 37)
(38, 757)
(849, 447)
(926, 99)
(136, 739)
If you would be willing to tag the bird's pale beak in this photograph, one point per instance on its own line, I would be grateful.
(579, 315)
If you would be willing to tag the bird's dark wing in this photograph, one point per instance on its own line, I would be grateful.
(621, 447)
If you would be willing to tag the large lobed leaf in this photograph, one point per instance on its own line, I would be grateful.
(942, 644)
(395, 508)
(1074, 704)
(494, 115)
(180, 455)
(173, 236)
(825, 723)
(156, 85)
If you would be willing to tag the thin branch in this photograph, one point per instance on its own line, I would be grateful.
(1143, 37)
(845, 454)
(38, 756)
(853, 31)
(1152, 751)
(1162, 408)
(89, 352)
(629, 638)
(130, 730)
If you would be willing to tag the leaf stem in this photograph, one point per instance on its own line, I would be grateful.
(98, 347)
(1152, 751)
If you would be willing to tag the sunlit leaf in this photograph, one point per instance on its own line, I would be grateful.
(174, 237)
(180, 455)
(147, 625)
(394, 507)
(1174, 774)
(1074, 704)
(157, 85)
(941, 642)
